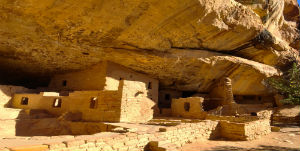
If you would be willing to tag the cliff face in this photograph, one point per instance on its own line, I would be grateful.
(186, 44)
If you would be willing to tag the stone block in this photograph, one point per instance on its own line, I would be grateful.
(275, 129)
(30, 148)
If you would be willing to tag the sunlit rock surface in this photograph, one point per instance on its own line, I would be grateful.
(186, 44)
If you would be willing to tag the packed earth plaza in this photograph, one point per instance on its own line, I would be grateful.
(147, 75)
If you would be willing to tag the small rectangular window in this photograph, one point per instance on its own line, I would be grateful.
(187, 106)
(24, 101)
(64, 83)
(167, 97)
(57, 103)
(149, 85)
(93, 102)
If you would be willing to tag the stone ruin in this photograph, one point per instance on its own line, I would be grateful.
(110, 107)
(141, 75)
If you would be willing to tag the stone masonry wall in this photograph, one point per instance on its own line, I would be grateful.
(92, 78)
(245, 131)
(138, 90)
(7, 91)
(188, 108)
(55, 127)
(8, 116)
(256, 129)
(232, 131)
(242, 128)
(107, 107)
(133, 141)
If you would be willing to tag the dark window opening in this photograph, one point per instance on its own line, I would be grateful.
(259, 98)
(85, 53)
(56, 103)
(208, 104)
(249, 97)
(64, 83)
(187, 106)
(167, 97)
(93, 102)
(24, 101)
(121, 79)
(149, 85)
(253, 114)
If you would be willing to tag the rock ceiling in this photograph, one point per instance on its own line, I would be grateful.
(186, 44)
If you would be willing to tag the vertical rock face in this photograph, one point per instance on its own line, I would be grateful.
(187, 45)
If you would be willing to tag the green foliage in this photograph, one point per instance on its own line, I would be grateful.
(288, 85)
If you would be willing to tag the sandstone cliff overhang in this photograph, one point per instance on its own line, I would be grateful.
(187, 45)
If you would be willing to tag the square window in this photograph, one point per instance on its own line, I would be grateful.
(64, 83)
(187, 106)
(24, 101)
(167, 97)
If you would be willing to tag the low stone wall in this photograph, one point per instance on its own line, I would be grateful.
(164, 137)
(133, 141)
(285, 120)
(50, 127)
(242, 128)
(232, 131)
(245, 131)
(288, 114)
(256, 129)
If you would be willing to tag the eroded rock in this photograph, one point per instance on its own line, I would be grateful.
(187, 45)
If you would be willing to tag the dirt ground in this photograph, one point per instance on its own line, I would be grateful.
(288, 139)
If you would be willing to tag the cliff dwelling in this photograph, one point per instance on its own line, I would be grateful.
(105, 92)
(149, 75)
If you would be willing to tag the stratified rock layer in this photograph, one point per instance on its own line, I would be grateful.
(186, 44)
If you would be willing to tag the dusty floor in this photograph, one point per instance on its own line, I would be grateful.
(288, 139)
